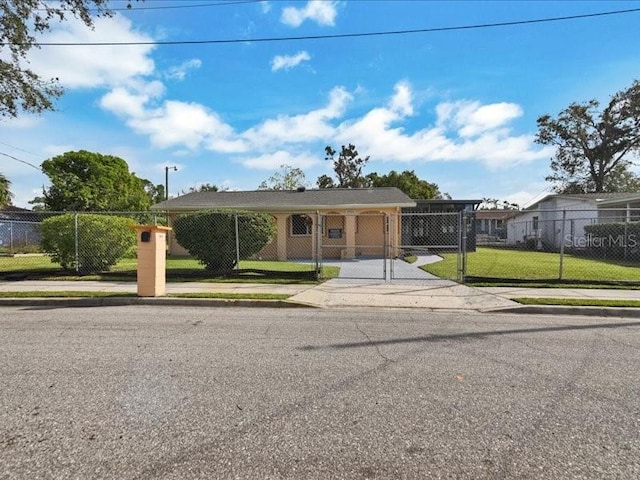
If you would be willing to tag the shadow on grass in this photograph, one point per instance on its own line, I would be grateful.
(549, 283)
(251, 275)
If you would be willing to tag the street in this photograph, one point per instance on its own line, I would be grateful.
(181, 392)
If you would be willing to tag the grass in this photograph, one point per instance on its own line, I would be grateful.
(579, 302)
(494, 266)
(85, 294)
(180, 269)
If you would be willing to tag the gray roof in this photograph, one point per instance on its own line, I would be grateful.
(600, 198)
(290, 200)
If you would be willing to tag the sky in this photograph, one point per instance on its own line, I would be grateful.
(457, 106)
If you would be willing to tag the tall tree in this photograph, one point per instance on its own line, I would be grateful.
(347, 167)
(205, 187)
(5, 191)
(21, 22)
(287, 178)
(87, 181)
(408, 182)
(594, 146)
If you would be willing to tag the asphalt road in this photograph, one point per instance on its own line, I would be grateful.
(181, 393)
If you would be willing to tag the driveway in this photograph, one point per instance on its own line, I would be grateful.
(371, 268)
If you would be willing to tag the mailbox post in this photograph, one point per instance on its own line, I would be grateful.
(152, 246)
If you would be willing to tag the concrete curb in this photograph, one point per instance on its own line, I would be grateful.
(153, 301)
(560, 310)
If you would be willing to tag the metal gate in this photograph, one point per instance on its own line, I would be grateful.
(388, 247)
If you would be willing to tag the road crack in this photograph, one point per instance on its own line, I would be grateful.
(373, 344)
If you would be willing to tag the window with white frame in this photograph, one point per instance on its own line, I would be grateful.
(301, 225)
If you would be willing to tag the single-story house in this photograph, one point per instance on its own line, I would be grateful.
(19, 228)
(357, 221)
(435, 224)
(540, 224)
(493, 223)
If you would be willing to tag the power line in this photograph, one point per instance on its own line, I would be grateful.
(21, 161)
(342, 35)
(191, 5)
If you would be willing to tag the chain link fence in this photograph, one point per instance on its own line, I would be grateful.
(594, 245)
(34, 243)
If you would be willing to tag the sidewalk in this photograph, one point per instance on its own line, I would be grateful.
(431, 295)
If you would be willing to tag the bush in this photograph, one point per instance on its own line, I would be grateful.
(102, 241)
(210, 236)
(614, 240)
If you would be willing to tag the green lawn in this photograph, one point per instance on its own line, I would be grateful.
(502, 264)
(181, 269)
(579, 302)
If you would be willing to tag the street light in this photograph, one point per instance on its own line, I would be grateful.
(166, 180)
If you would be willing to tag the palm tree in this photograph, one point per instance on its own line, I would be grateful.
(5, 193)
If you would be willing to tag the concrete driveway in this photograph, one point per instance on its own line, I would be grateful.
(371, 268)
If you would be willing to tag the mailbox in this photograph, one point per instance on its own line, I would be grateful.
(152, 249)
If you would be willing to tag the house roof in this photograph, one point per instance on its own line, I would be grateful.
(497, 214)
(17, 214)
(598, 198)
(290, 200)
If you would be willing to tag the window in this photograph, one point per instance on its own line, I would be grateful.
(301, 225)
(534, 223)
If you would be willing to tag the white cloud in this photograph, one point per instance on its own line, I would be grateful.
(180, 72)
(472, 118)
(189, 125)
(24, 121)
(93, 66)
(286, 62)
(320, 11)
(308, 127)
(463, 131)
(273, 161)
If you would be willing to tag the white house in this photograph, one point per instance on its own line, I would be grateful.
(540, 225)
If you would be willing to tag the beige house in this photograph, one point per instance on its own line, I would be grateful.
(344, 223)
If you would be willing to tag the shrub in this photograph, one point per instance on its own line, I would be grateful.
(102, 241)
(210, 236)
(614, 240)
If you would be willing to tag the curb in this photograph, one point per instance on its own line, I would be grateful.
(560, 310)
(151, 301)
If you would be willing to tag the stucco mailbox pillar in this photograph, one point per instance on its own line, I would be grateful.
(152, 260)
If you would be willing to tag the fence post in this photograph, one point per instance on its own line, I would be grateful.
(462, 246)
(564, 217)
(11, 237)
(318, 252)
(237, 244)
(75, 228)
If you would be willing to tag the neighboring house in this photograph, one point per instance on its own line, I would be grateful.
(493, 223)
(434, 224)
(540, 225)
(356, 221)
(19, 228)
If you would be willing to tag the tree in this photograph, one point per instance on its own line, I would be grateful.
(5, 191)
(21, 21)
(594, 146)
(87, 181)
(154, 192)
(408, 182)
(288, 178)
(210, 236)
(205, 187)
(347, 167)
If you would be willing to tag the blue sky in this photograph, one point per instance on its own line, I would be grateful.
(458, 107)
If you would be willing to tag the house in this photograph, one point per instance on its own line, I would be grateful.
(434, 224)
(19, 228)
(541, 225)
(492, 224)
(354, 221)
